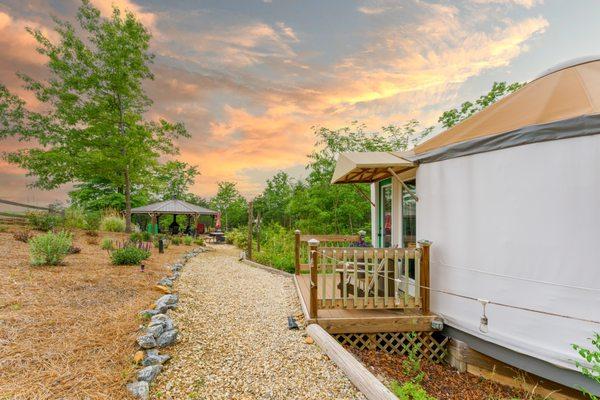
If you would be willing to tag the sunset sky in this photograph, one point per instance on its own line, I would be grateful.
(250, 77)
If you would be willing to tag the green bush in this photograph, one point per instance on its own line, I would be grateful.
(44, 221)
(187, 240)
(176, 240)
(112, 223)
(129, 255)
(410, 391)
(107, 244)
(199, 241)
(50, 248)
(164, 239)
(146, 236)
(276, 248)
(238, 237)
(135, 237)
(92, 220)
(75, 218)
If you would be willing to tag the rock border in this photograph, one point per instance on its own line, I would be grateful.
(160, 332)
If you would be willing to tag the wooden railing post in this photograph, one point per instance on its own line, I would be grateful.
(424, 245)
(297, 251)
(314, 265)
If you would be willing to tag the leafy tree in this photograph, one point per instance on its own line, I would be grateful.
(93, 125)
(499, 89)
(174, 179)
(230, 203)
(274, 200)
(99, 194)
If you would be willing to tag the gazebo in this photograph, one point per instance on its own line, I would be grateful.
(174, 208)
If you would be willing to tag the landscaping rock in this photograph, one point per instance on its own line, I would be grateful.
(154, 358)
(165, 282)
(164, 320)
(149, 373)
(146, 341)
(176, 267)
(166, 302)
(175, 276)
(155, 330)
(141, 389)
(163, 289)
(149, 312)
(167, 338)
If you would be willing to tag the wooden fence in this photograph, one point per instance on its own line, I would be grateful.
(347, 277)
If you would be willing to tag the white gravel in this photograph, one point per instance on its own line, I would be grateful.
(235, 343)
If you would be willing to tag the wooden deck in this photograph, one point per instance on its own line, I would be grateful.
(338, 320)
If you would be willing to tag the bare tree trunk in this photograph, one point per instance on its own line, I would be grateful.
(127, 201)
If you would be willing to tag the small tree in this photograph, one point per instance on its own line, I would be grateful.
(174, 179)
(592, 356)
(230, 203)
(499, 89)
(93, 126)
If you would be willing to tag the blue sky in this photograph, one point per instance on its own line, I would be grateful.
(249, 78)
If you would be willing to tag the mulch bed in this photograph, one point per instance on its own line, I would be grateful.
(441, 381)
(69, 331)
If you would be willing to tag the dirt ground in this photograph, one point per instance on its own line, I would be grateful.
(69, 331)
(440, 380)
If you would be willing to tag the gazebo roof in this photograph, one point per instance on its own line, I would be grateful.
(172, 207)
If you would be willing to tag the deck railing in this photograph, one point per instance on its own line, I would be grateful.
(346, 277)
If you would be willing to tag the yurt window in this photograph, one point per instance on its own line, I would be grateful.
(385, 221)
(409, 216)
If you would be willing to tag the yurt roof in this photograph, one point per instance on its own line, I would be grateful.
(562, 93)
(172, 207)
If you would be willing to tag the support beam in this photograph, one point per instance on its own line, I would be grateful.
(364, 196)
(410, 192)
(360, 376)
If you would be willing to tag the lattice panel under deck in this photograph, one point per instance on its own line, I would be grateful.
(397, 343)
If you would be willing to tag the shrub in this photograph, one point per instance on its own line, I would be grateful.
(238, 237)
(135, 237)
(112, 223)
(50, 248)
(129, 255)
(146, 236)
(92, 220)
(43, 221)
(176, 240)
(187, 240)
(107, 244)
(199, 241)
(277, 248)
(75, 218)
(162, 237)
(410, 391)
(22, 236)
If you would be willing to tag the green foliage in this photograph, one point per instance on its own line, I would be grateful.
(174, 178)
(49, 248)
(231, 204)
(129, 255)
(75, 218)
(238, 237)
(199, 241)
(277, 248)
(176, 240)
(187, 240)
(3, 228)
(91, 127)
(107, 244)
(44, 221)
(146, 236)
(411, 365)
(135, 237)
(273, 203)
(92, 220)
(499, 89)
(410, 391)
(164, 239)
(112, 223)
(592, 357)
(99, 194)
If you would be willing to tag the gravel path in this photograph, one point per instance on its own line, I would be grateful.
(235, 342)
